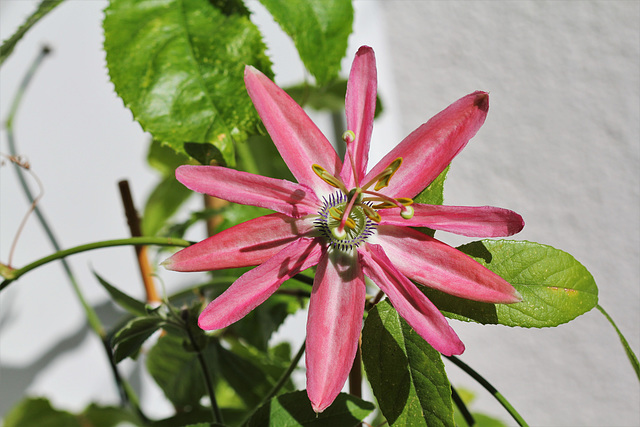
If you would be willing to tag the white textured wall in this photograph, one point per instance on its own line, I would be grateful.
(561, 147)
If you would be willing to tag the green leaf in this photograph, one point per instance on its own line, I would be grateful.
(433, 193)
(205, 154)
(132, 305)
(177, 370)
(39, 412)
(43, 9)
(319, 30)
(129, 339)
(627, 348)
(294, 409)
(406, 374)
(163, 202)
(554, 286)
(325, 98)
(178, 65)
(107, 416)
(164, 158)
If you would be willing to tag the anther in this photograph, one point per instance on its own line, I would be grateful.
(328, 178)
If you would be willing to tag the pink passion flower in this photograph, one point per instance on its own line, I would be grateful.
(350, 223)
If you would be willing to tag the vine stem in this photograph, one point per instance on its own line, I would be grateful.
(462, 407)
(215, 409)
(13, 274)
(633, 359)
(490, 388)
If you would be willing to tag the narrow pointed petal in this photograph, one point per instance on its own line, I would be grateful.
(298, 139)
(255, 286)
(431, 147)
(280, 195)
(360, 108)
(333, 327)
(411, 304)
(246, 244)
(473, 221)
(437, 265)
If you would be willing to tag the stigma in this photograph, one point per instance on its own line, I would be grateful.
(349, 216)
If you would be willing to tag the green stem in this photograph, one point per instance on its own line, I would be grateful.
(43, 9)
(281, 382)
(630, 354)
(215, 409)
(14, 274)
(490, 388)
(462, 407)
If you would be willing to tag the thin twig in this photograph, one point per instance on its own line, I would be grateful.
(133, 220)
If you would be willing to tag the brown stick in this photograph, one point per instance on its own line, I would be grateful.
(214, 221)
(141, 251)
(355, 375)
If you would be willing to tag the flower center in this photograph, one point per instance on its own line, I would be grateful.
(348, 217)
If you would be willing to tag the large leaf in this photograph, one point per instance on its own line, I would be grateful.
(319, 30)
(132, 305)
(178, 65)
(178, 371)
(294, 409)
(555, 288)
(406, 374)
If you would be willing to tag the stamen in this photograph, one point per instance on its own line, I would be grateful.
(371, 213)
(406, 211)
(346, 214)
(382, 179)
(328, 178)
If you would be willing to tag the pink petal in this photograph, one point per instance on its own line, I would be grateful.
(360, 108)
(298, 139)
(439, 266)
(431, 147)
(410, 303)
(280, 195)
(333, 327)
(480, 221)
(255, 286)
(246, 244)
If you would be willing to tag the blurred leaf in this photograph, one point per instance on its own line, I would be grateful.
(627, 348)
(319, 30)
(129, 339)
(132, 305)
(406, 374)
(294, 409)
(205, 154)
(262, 147)
(326, 98)
(178, 65)
(163, 202)
(178, 372)
(9, 44)
(38, 412)
(554, 286)
(164, 158)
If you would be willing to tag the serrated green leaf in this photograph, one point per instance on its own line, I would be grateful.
(163, 202)
(554, 286)
(43, 9)
(178, 65)
(129, 339)
(294, 409)
(178, 372)
(319, 30)
(132, 305)
(406, 374)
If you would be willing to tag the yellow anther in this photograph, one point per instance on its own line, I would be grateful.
(404, 201)
(371, 213)
(385, 176)
(349, 136)
(328, 178)
(336, 213)
(350, 223)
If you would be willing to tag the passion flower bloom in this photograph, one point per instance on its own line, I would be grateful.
(350, 223)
